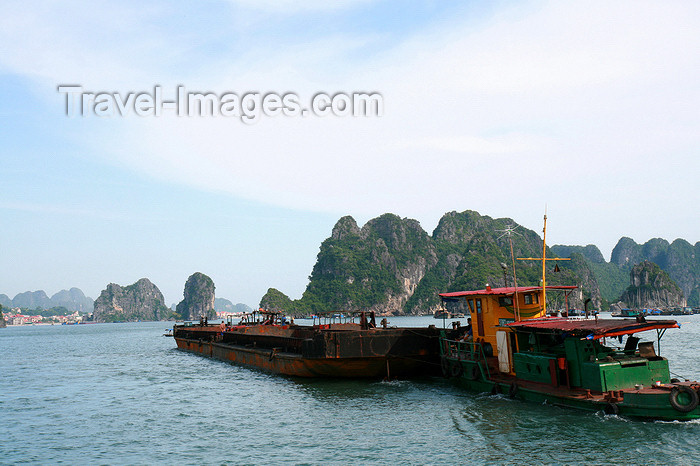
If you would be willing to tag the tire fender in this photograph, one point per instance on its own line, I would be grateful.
(611, 409)
(513, 391)
(456, 369)
(445, 366)
(676, 404)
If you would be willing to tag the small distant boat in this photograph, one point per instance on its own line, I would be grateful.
(628, 313)
(445, 314)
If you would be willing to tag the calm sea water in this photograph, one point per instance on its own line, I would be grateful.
(122, 394)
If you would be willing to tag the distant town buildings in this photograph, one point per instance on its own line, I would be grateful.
(225, 314)
(15, 317)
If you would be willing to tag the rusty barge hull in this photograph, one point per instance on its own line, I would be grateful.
(291, 364)
(312, 352)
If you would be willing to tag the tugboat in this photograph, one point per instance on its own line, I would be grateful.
(627, 313)
(516, 349)
(565, 361)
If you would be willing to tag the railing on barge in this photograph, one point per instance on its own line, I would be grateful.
(337, 319)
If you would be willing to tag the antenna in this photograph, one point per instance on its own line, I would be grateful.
(509, 231)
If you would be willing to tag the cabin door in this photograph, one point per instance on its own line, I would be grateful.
(479, 317)
(503, 351)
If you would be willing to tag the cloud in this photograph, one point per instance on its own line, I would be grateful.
(538, 101)
(293, 6)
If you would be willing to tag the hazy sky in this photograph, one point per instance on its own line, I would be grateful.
(591, 108)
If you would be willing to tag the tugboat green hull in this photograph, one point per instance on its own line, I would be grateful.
(656, 403)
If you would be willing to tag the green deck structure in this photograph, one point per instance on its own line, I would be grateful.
(567, 362)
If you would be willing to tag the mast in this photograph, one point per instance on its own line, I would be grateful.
(515, 282)
(544, 261)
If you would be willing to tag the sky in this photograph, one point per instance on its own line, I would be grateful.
(587, 108)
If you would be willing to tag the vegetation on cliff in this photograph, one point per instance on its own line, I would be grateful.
(198, 298)
(73, 300)
(369, 268)
(610, 278)
(391, 265)
(474, 251)
(224, 305)
(651, 287)
(679, 259)
(139, 301)
(276, 301)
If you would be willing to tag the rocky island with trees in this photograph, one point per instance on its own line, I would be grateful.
(392, 266)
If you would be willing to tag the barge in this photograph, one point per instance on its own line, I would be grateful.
(334, 346)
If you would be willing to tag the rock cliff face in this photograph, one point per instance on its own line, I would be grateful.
(224, 305)
(276, 301)
(611, 279)
(377, 267)
(32, 300)
(73, 300)
(392, 266)
(680, 259)
(473, 250)
(198, 298)
(140, 301)
(5, 301)
(651, 287)
(582, 275)
(626, 252)
(589, 252)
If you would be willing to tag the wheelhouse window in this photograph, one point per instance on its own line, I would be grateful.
(528, 298)
(504, 301)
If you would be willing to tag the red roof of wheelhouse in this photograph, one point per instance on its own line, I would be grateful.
(506, 291)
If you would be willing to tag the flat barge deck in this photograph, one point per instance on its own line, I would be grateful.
(343, 350)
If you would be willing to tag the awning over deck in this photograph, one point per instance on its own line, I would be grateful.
(592, 329)
(505, 291)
